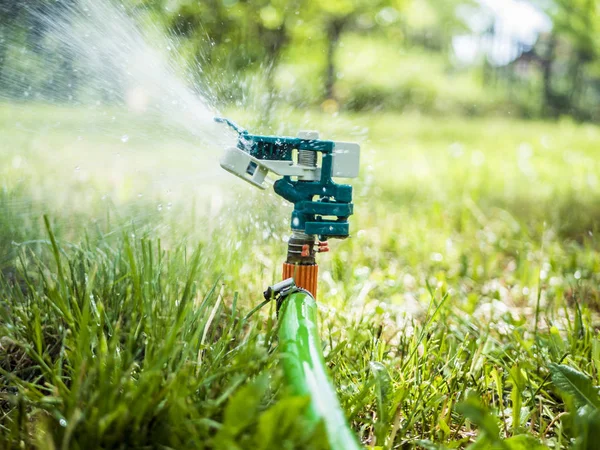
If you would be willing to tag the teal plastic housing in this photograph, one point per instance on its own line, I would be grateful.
(321, 207)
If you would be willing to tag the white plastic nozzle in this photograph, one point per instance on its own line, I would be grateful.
(346, 160)
(242, 165)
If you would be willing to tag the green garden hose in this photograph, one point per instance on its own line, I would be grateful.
(304, 369)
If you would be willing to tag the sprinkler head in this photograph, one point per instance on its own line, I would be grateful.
(306, 166)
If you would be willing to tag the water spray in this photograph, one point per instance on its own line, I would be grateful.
(306, 166)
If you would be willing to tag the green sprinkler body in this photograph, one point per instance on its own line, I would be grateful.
(321, 206)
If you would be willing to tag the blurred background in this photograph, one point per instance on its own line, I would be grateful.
(526, 58)
(476, 120)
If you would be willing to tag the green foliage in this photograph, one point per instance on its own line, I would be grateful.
(570, 58)
(579, 21)
(474, 411)
(575, 385)
(582, 396)
(280, 426)
(518, 382)
(523, 442)
(259, 53)
(105, 340)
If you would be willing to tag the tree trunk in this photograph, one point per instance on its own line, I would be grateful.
(271, 91)
(577, 82)
(11, 14)
(547, 62)
(275, 41)
(334, 31)
(3, 52)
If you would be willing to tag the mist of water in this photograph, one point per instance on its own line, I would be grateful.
(133, 125)
(121, 65)
(125, 56)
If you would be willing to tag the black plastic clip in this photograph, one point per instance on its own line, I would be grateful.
(280, 291)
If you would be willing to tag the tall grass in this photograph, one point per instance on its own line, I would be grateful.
(462, 312)
(117, 346)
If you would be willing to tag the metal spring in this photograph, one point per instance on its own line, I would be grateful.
(307, 158)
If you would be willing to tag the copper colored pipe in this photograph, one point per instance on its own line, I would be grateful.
(305, 276)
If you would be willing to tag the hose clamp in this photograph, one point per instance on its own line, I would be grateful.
(280, 291)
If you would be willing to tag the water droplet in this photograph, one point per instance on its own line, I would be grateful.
(62, 422)
(477, 158)
(437, 257)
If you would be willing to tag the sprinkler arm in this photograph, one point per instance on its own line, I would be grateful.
(231, 124)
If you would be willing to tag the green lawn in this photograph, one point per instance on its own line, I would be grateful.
(474, 265)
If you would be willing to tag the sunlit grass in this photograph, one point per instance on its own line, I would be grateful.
(473, 265)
